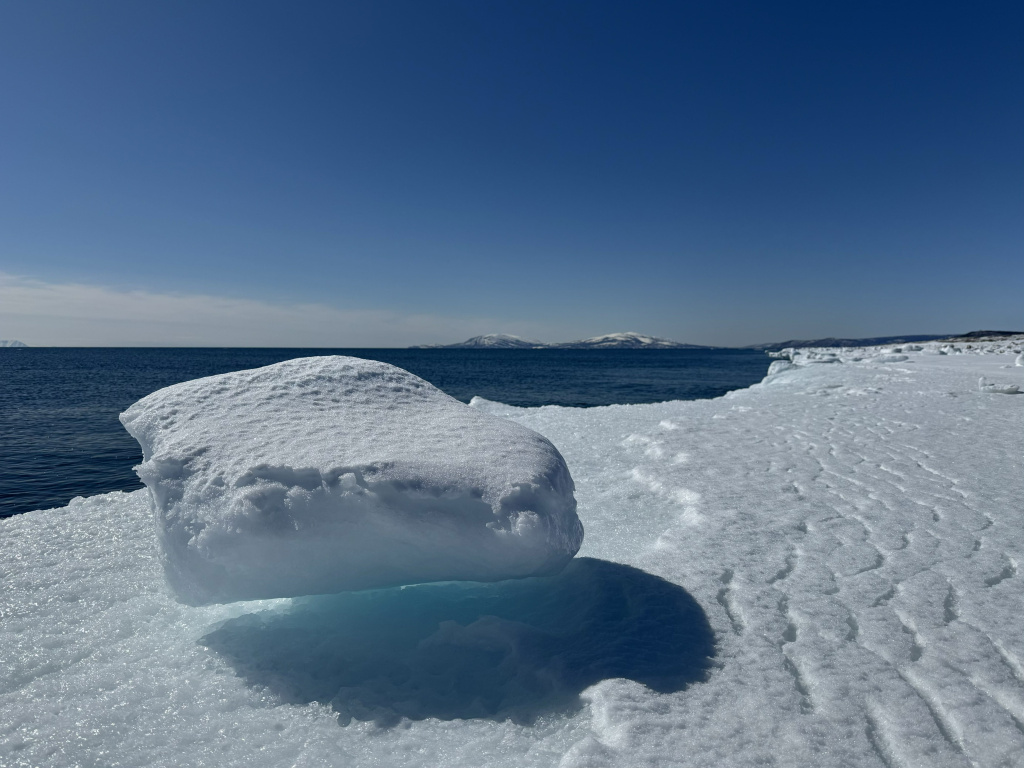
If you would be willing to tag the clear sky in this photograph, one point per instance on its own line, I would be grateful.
(392, 173)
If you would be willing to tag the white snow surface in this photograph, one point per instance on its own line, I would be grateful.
(331, 473)
(848, 535)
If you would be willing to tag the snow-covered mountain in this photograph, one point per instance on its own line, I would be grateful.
(627, 340)
(495, 341)
(12, 343)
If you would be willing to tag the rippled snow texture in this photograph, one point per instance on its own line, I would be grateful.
(853, 533)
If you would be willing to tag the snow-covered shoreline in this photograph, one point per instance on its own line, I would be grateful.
(852, 532)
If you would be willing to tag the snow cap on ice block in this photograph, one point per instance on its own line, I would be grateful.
(327, 474)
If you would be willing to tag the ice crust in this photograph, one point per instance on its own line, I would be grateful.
(324, 474)
(849, 536)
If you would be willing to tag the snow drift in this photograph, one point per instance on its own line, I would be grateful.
(326, 474)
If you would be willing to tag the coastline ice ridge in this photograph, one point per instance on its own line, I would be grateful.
(326, 474)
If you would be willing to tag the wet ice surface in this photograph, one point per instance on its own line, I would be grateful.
(851, 533)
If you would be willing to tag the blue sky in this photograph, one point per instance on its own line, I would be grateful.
(392, 173)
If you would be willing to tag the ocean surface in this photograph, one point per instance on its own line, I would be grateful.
(60, 436)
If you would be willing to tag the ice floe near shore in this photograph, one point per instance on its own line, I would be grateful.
(823, 569)
(995, 346)
(325, 474)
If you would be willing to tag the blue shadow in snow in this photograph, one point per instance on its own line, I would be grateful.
(508, 650)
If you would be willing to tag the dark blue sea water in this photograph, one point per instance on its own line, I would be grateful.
(60, 436)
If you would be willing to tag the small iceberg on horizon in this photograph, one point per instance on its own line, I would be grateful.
(328, 474)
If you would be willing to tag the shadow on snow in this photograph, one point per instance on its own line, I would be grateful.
(508, 650)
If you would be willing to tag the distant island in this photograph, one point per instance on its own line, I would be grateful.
(631, 340)
(12, 343)
(627, 340)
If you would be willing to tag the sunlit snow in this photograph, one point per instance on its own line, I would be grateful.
(323, 474)
(820, 570)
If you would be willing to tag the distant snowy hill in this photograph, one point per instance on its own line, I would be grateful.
(834, 342)
(491, 341)
(627, 340)
(12, 343)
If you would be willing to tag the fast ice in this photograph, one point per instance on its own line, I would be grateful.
(851, 535)
(327, 474)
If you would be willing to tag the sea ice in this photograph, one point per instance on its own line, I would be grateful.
(325, 474)
(1000, 389)
(823, 569)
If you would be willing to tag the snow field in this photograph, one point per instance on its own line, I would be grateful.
(820, 570)
(854, 532)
